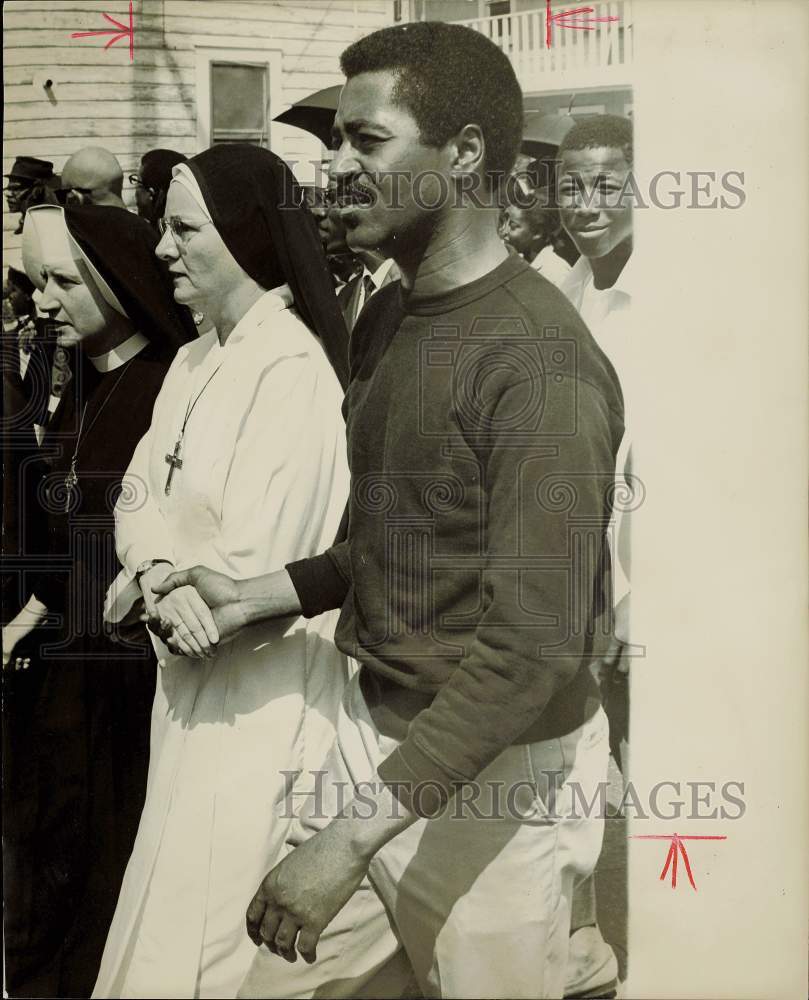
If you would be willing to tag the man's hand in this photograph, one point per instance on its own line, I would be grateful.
(305, 892)
(214, 588)
(235, 604)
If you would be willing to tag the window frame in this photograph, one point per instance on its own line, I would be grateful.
(583, 110)
(239, 51)
(242, 135)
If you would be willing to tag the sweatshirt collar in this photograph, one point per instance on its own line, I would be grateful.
(435, 304)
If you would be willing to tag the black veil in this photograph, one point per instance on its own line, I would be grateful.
(120, 247)
(259, 210)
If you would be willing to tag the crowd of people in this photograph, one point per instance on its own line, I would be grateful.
(316, 599)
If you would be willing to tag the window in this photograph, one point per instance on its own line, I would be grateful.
(238, 90)
(240, 102)
(582, 111)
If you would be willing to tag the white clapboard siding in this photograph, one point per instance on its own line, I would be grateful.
(101, 98)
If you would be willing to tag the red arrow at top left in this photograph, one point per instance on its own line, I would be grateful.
(120, 31)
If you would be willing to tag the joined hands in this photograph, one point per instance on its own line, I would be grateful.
(195, 610)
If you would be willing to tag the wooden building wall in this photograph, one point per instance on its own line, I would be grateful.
(101, 98)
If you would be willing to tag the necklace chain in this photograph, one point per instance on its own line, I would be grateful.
(71, 479)
(173, 459)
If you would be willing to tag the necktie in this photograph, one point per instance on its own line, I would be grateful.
(364, 290)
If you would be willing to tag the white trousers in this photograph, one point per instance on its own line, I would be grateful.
(474, 903)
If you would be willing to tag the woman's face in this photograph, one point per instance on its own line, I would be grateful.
(74, 305)
(517, 231)
(203, 269)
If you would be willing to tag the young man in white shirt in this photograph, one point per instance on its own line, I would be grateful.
(596, 211)
(595, 165)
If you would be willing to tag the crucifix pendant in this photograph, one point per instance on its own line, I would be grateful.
(70, 481)
(174, 462)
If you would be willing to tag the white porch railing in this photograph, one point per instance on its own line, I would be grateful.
(577, 57)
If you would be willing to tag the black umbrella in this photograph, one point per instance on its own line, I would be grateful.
(314, 113)
(542, 134)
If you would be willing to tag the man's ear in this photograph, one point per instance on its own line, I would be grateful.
(469, 151)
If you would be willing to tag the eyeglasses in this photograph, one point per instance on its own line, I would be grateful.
(180, 231)
(72, 195)
(135, 181)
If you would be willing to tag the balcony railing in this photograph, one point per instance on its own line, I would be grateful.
(598, 56)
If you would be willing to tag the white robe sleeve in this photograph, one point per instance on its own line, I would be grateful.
(287, 483)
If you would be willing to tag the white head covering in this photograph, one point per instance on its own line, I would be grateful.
(46, 238)
(183, 175)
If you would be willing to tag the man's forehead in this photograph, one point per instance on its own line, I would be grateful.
(595, 160)
(367, 98)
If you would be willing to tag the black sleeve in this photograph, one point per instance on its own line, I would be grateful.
(322, 582)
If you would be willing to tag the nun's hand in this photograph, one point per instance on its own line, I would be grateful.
(186, 616)
(148, 582)
(229, 620)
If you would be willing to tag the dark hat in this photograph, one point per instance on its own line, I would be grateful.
(29, 168)
(21, 280)
(156, 167)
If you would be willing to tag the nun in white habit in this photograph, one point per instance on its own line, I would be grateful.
(244, 470)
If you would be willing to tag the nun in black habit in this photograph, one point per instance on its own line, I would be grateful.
(77, 704)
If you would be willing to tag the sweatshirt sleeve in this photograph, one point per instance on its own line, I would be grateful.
(322, 582)
(546, 517)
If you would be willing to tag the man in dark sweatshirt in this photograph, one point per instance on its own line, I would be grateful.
(483, 423)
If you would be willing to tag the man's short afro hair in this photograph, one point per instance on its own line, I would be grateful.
(448, 76)
(611, 131)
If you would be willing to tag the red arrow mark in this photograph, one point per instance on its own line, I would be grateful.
(120, 31)
(676, 848)
(562, 20)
